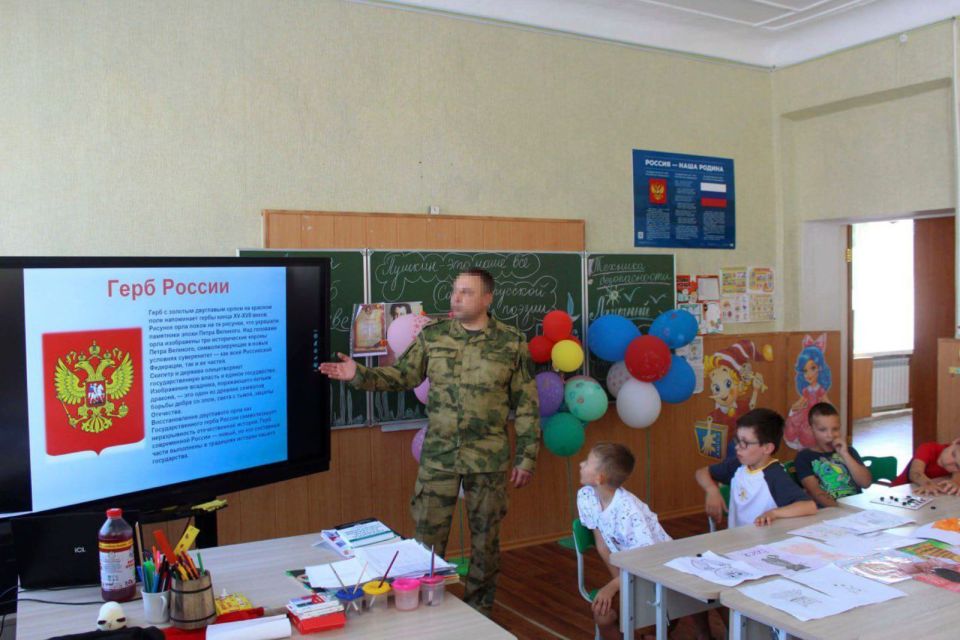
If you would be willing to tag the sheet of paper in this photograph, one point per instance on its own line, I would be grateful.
(869, 542)
(868, 521)
(888, 567)
(717, 569)
(767, 558)
(942, 530)
(845, 587)
(821, 531)
(413, 559)
(799, 601)
(811, 550)
(322, 576)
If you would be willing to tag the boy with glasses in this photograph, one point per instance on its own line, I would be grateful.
(761, 491)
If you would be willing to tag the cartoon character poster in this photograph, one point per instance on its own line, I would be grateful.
(93, 389)
(734, 387)
(813, 379)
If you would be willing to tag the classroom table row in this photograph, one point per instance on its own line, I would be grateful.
(258, 571)
(652, 594)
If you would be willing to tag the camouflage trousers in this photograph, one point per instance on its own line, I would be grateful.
(485, 495)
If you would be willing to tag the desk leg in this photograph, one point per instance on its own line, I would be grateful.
(627, 615)
(663, 621)
(737, 624)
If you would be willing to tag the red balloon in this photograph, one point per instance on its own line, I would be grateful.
(647, 358)
(557, 325)
(540, 349)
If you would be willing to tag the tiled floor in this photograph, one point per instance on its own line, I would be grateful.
(886, 434)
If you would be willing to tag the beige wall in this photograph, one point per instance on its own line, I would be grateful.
(164, 128)
(863, 134)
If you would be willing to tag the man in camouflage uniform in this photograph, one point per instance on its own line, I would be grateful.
(479, 369)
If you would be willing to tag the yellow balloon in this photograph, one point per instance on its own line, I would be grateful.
(567, 356)
(767, 352)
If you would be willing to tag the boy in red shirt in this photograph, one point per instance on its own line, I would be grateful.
(934, 468)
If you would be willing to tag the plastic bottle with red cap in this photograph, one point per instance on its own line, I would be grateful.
(118, 578)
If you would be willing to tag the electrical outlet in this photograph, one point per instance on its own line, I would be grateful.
(434, 210)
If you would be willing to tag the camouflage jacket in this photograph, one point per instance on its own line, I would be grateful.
(474, 382)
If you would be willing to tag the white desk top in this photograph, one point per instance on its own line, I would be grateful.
(647, 562)
(256, 569)
(944, 506)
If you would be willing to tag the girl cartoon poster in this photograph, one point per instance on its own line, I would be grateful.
(813, 380)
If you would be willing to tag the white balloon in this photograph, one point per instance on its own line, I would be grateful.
(638, 404)
(617, 375)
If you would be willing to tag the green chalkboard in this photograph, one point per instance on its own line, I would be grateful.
(637, 286)
(348, 406)
(529, 285)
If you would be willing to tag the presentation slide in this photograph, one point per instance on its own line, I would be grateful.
(143, 377)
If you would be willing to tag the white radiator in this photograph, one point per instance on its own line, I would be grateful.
(891, 382)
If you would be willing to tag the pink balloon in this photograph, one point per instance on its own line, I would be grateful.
(402, 331)
(416, 445)
(423, 390)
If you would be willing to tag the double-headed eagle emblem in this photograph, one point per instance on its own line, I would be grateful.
(90, 385)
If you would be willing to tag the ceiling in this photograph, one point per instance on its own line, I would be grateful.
(767, 33)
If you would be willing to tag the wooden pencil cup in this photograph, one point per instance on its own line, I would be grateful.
(191, 603)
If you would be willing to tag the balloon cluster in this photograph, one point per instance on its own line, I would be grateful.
(566, 406)
(645, 372)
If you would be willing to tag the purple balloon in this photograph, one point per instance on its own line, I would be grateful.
(550, 392)
(422, 390)
(416, 445)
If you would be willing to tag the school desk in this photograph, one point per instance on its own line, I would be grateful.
(648, 589)
(927, 612)
(256, 569)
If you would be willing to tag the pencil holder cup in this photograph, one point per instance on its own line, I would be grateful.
(376, 596)
(156, 607)
(406, 593)
(432, 590)
(191, 603)
(352, 601)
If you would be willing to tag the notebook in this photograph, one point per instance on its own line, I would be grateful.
(413, 560)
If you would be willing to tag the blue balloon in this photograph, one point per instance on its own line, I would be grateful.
(609, 335)
(678, 385)
(676, 327)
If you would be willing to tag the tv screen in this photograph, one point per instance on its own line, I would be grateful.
(149, 382)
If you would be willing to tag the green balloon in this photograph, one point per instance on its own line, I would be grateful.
(563, 434)
(585, 398)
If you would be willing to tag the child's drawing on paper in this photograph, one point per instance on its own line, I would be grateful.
(813, 379)
(733, 384)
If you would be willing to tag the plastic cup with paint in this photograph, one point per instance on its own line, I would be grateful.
(432, 590)
(352, 601)
(406, 592)
(376, 596)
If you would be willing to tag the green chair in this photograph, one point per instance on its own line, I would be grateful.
(882, 468)
(725, 492)
(583, 542)
(791, 468)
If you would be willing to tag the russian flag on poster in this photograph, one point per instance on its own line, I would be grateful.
(713, 203)
(713, 187)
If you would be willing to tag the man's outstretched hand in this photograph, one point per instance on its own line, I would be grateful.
(345, 370)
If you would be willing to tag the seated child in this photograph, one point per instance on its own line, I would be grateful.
(934, 468)
(620, 521)
(761, 491)
(830, 469)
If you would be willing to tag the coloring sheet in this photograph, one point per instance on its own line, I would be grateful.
(812, 551)
(945, 530)
(870, 542)
(891, 566)
(799, 601)
(868, 521)
(847, 588)
(717, 569)
(909, 501)
(767, 558)
(821, 531)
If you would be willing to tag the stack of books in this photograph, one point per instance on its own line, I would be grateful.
(316, 613)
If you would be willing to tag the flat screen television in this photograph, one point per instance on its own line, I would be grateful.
(150, 382)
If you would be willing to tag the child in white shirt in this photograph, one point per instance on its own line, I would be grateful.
(619, 520)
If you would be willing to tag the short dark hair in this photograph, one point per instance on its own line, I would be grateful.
(396, 306)
(485, 278)
(766, 423)
(821, 409)
(616, 461)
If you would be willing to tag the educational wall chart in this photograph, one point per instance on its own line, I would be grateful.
(683, 201)
(746, 294)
